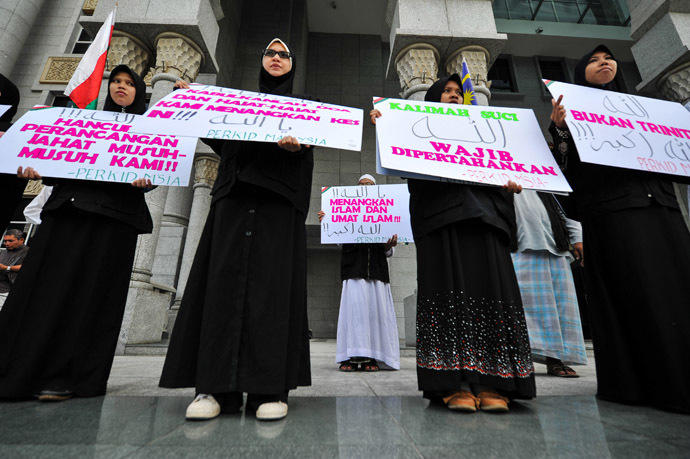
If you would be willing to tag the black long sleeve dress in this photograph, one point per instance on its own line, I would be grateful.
(637, 273)
(60, 324)
(242, 325)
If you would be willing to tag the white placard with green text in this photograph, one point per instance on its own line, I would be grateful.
(469, 143)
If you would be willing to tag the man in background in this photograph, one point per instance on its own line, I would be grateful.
(11, 261)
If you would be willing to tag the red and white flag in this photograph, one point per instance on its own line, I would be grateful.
(85, 84)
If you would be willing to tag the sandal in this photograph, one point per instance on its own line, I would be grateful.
(347, 366)
(371, 365)
(561, 371)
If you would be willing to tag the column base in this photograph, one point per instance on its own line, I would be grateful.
(410, 308)
(172, 317)
(146, 315)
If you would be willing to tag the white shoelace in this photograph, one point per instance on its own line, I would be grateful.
(202, 396)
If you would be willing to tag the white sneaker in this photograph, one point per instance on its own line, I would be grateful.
(271, 411)
(203, 407)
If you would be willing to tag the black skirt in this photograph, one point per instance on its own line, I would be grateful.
(60, 324)
(242, 325)
(637, 274)
(470, 322)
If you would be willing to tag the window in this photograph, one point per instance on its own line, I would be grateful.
(552, 69)
(502, 76)
(602, 12)
(83, 42)
(60, 100)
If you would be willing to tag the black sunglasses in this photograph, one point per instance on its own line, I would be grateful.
(283, 54)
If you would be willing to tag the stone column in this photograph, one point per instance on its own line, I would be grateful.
(417, 67)
(477, 58)
(177, 58)
(147, 303)
(675, 85)
(172, 235)
(205, 172)
(128, 50)
(18, 21)
(415, 64)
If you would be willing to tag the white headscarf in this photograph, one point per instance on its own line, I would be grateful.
(284, 46)
(367, 176)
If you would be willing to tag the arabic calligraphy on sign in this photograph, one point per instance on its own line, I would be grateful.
(365, 214)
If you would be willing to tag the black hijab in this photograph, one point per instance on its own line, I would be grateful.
(282, 85)
(138, 106)
(582, 64)
(436, 90)
(9, 95)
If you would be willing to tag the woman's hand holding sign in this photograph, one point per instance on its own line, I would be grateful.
(29, 173)
(181, 84)
(373, 115)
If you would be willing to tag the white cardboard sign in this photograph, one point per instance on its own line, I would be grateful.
(466, 143)
(94, 145)
(215, 112)
(365, 214)
(622, 130)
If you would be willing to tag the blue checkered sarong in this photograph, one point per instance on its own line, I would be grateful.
(550, 304)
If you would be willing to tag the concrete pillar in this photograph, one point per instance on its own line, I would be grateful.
(172, 235)
(205, 173)
(17, 19)
(478, 59)
(413, 64)
(128, 50)
(662, 54)
(147, 302)
(675, 85)
(417, 67)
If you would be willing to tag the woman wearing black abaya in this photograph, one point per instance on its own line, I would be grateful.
(12, 186)
(242, 325)
(638, 266)
(472, 345)
(60, 324)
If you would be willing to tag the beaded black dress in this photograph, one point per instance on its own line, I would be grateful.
(470, 322)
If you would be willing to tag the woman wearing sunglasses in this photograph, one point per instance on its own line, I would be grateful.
(242, 325)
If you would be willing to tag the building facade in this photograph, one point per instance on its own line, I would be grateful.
(348, 51)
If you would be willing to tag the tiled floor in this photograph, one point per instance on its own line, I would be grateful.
(341, 415)
(152, 426)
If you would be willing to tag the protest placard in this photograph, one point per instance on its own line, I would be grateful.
(94, 145)
(365, 214)
(467, 143)
(623, 130)
(223, 113)
(4, 108)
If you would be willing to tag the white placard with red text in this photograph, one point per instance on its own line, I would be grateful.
(467, 143)
(365, 214)
(223, 113)
(94, 145)
(4, 108)
(627, 131)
